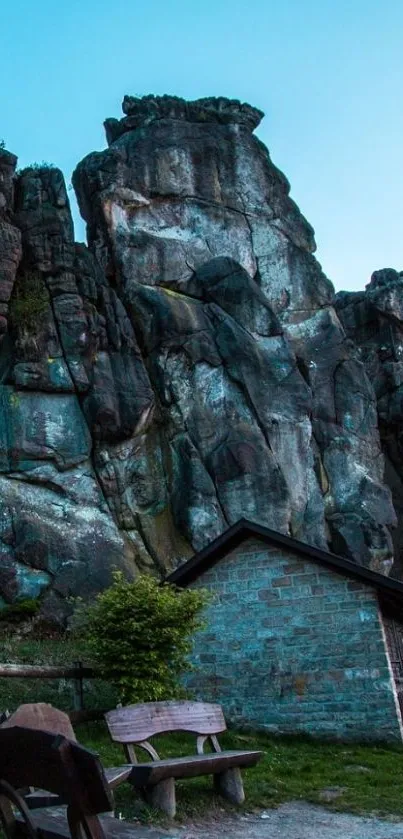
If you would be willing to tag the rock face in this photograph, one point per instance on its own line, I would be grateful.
(374, 320)
(186, 369)
(58, 538)
(264, 409)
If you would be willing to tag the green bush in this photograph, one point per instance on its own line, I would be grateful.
(20, 611)
(139, 635)
(29, 302)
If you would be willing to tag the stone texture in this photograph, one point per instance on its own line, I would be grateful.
(263, 407)
(60, 540)
(189, 362)
(373, 319)
(290, 646)
(10, 237)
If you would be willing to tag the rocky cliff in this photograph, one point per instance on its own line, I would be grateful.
(185, 369)
(373, 319)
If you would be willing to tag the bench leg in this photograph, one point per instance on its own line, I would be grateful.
(81, 826)
(162, 796)
(229, 785)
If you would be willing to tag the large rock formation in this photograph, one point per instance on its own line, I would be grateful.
(58, 538)
(374, 320)
(186, 369)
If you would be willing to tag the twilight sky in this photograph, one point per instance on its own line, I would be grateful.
(327, 73)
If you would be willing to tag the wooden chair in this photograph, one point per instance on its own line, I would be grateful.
(34, 758)
(155, 780)
(44, 717)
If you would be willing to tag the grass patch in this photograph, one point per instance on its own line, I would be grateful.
(291, 769)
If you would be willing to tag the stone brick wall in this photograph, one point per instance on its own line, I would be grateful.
(291, 646)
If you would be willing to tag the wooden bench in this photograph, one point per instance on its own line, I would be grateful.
(44, 717)
(33, 758)
(155, 780)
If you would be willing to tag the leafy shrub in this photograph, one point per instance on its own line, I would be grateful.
(29, 302)
(139, 635)
(2, 144)
(19, 611)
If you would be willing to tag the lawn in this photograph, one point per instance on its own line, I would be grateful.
(366, 779)
(358, 778)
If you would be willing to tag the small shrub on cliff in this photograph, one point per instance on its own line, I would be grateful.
(29, 302)
(20, 611)
(139, 635)
(35, 167)
(2, 144)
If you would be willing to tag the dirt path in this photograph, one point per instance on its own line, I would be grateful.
(294, 820)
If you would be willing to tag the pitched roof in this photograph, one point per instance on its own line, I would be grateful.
(244, 529)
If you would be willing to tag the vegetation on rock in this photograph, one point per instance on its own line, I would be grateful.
(20, 611)
(35, 166)
(29, 302)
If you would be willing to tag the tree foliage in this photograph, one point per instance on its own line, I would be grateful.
(139, 635)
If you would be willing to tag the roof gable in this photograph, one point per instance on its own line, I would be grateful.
(244, 529)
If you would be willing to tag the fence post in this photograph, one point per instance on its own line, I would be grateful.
(78, 693)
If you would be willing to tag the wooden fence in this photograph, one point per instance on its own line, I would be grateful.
(76, 673)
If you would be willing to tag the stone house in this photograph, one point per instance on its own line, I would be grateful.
(297, 639)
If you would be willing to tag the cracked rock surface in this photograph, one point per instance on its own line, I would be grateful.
(373, 319)
(185, 369)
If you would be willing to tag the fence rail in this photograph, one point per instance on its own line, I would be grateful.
(76, 673)
(39, 671)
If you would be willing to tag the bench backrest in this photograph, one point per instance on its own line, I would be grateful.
(41, 716)
(136, 723)
(34, 758)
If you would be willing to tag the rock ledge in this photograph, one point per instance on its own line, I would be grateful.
(141, 111)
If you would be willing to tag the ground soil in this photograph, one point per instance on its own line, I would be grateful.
(294, 819)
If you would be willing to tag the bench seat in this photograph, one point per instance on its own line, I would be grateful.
(144, 774)
(115, 775)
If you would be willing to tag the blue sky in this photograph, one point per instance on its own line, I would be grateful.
(327, 73)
